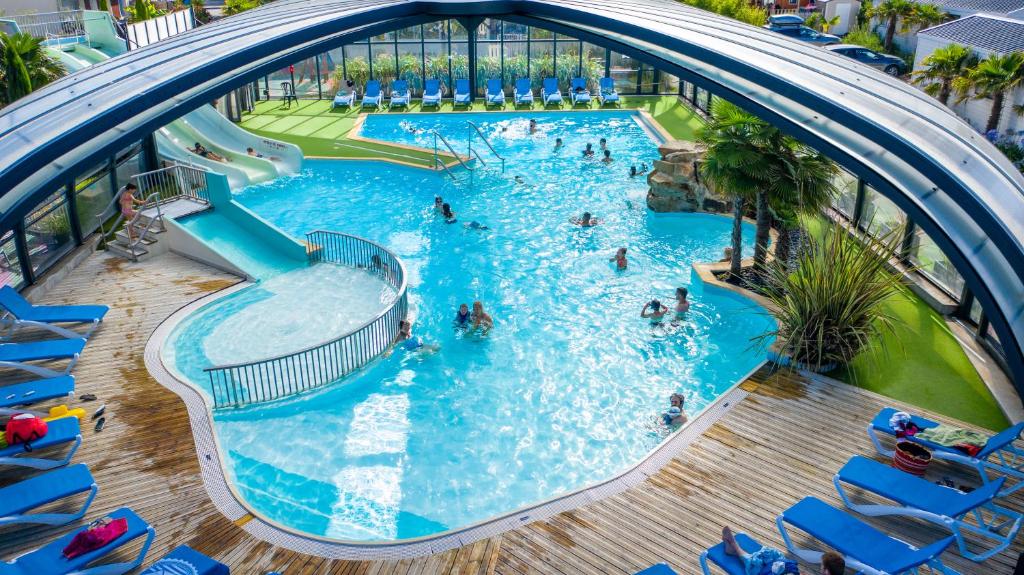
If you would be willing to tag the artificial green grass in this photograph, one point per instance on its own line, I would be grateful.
(322, 131)
(921, 363)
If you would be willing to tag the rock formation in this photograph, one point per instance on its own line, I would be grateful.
(675, 181)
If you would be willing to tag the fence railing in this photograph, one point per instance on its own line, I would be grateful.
(322, 364)
(52, 24)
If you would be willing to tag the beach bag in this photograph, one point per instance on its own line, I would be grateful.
(911, 458)
(99, 533)
(24, 428)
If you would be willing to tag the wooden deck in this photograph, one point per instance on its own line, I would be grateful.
(784, 441)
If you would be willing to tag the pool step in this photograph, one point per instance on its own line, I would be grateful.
(149, 246)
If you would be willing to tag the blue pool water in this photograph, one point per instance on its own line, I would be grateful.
(563, 392)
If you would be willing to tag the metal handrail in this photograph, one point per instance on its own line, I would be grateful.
(240, 384)
(489, 146)
(444, 166)
(153, 200)
(450, 149)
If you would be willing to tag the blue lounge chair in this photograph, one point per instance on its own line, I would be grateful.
(20, 313)
(578, 92)
(463, 95)
(372, 97)
(344, 99)
(925, 500)
(183, 555)
(998, 454)
(549, 93)
(29, 392)
(728, 563)
(400, 95)
(607, 93)
(48, 559)
(59, 432)
(17, 500)
(16, 354)
(495, 94)
(523, 92)
(659, 569)
(432, 92)
(866, 549)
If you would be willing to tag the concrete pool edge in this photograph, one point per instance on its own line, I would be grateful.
(232, 505)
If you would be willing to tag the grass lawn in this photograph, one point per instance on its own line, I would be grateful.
(921, 363)
(320, 131)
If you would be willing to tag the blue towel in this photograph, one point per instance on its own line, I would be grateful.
(183, 560)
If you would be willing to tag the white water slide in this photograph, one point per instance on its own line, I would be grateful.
(215, 132)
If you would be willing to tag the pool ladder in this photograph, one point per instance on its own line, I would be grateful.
(473, 152)
(440, 162)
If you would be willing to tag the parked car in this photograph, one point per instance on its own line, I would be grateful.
(891, 65)
(793, 26)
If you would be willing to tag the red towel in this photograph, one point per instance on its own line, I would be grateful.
(97, 535)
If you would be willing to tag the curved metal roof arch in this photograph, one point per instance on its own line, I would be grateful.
(951, 181)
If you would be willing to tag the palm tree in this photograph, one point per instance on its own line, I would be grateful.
(926, 15)
(820, 23)
(803, 184)
(25, 66)
(943, 67)
(892, 12)
(733, 164)
(993, 77)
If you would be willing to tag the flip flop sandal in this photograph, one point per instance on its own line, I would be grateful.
(87, 397)
(99, 411)
(99, 424)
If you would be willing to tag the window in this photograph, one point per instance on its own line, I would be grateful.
(436, 57)
(357, 65)
(383, 69)
(593, 63)
(304, 76)
(129, 165)
(48, 232)
(542, 62)
(10, 265)
(567, 64)
(625, 71)
(845, 201)
(926, 256)
(410, 65)
(880, 217)
(333, 74)
(488, 64)
(516, 65)
(93, 195)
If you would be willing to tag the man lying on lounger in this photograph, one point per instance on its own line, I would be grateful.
(771, 560)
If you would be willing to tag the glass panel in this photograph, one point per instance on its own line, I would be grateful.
(458, 31)
(305, 79)
(48, 233)
(410, 33)
(700, 98)
(332, 72)
(845, 201)
(410, 65)
(275, 80)
(385, 37)
(460, 60)
(488, 64)
(991, 335)
(975, 312)
(10, 266)
(357, 65)
(437, 63)
(880, 216)
(93, 193)
(541, 62)
(647, 85)
(514, 32)
(568, 64)
(383, 63)
(489, 29)
(624, 70)
(561, 37)
(593, 63)
(129, 167)
(668, 84)
(515, 62)
(541, 34)
(436, 30)
(930, 261)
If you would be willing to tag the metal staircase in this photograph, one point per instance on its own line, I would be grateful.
(471, 155)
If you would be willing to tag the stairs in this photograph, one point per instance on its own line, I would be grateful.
(149, 227)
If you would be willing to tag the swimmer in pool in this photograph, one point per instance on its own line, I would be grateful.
(632, 172)
(654, 311)
(682, 304)
(620, 259)
(438, 204)
(408, 341)
(520, 180)
(607, 157)
(603, 143)
(481, 319)
(586, 220)
(589, 151)
(675, 414)
(449, 215)
(462, 317)
(558, 144)
(475, 225)
(533, 126)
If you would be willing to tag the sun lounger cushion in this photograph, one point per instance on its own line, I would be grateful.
(11, 300)
(995, 443)
(38, 350)
(729, 563)
(31, 392)
(912, 491)
(58, 431)
(184, 559)
(659, 569)
(39, 490)
(858, 540)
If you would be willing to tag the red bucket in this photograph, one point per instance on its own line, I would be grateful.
(911, 458)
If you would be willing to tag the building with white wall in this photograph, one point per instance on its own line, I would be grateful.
(985, 34)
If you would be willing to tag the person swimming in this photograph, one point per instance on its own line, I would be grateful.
(657, 311)
(475, 225)
(675, 414)
(449, 215)
(520, 180)
(533, 126)
(408, 341)
(558, 143)
(586, 220)
(481, 319)
(607, 157)
(643, 168)
(632, 171)
(463, 317)
(603, 143)
(438, 204)
(589, 151)
(682, 305)
(620, 259)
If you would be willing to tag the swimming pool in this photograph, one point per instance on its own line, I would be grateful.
(563, 392)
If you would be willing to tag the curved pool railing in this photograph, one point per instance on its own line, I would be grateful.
(243, 384)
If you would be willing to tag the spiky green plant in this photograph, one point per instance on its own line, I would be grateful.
(25, 66)
(830, 308)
